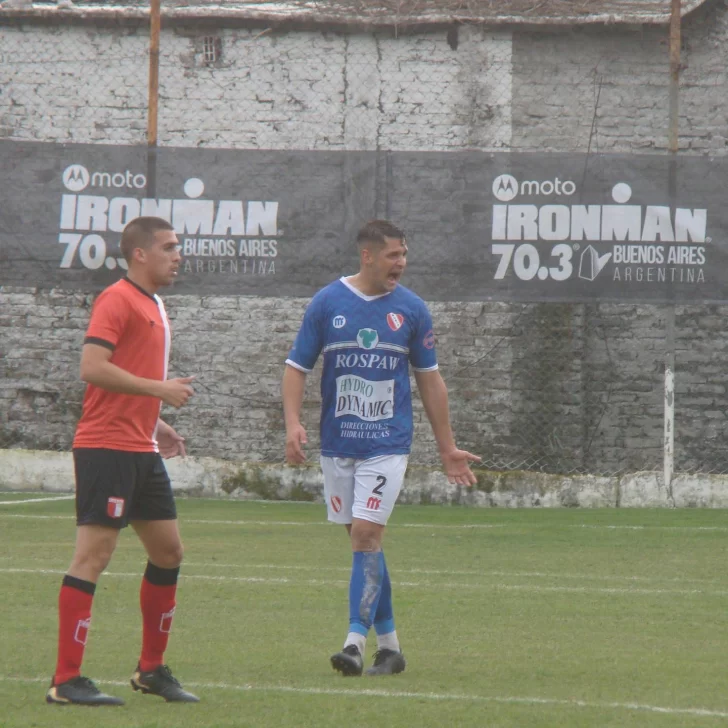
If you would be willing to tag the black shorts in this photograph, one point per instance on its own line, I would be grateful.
(114, 487)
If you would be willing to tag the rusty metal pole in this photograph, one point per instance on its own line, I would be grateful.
(155, 12)
(672, 148)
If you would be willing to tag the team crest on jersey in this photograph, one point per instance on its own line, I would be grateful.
(115, 507)
(395, 321)
(367, 338)
(336, 503)
(339, 322)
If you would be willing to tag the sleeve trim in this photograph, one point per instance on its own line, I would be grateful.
(293, 364)
(427, 369)
(99, 342)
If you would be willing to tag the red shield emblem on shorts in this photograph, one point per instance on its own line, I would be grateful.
(395, 321)
(336, 503)
(115, 507)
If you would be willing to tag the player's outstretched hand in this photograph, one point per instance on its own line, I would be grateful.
(295, 440)
(176, 392)
(456, 467)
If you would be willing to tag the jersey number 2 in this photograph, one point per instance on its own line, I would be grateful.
(382, 482)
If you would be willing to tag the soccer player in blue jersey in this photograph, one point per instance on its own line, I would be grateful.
(369, 329)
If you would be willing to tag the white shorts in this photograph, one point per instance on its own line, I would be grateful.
(365, 489)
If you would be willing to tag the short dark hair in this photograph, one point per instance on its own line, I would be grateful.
(375, 231)
(139, 233)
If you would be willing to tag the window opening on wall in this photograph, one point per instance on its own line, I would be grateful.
(211, 47)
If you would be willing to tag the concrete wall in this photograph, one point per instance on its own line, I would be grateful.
(26, 470)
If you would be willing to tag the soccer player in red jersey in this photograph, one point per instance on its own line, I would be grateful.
(120, 475)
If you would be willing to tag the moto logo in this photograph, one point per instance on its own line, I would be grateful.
(505, 187)
(76, 177)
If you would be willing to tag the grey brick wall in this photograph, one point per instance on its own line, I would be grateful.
(304, 90)
(560, 388)
(599, 88)
(607, 89)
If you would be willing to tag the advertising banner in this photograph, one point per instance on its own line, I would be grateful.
(479, 226)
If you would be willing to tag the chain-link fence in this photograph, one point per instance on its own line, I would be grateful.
(564, 388)
(580, 388)
(77, 77)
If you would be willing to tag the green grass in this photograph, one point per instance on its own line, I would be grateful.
(513, 618)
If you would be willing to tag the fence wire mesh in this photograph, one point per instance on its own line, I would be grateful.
(561, 388)
(74, 84)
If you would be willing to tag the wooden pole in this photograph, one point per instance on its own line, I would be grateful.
(153, 102)
(154, 27)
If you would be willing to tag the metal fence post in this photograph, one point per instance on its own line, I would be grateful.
(669, 445)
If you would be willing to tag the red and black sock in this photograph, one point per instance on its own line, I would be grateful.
(157, 599)
(74, 620)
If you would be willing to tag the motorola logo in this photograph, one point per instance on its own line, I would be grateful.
(76, 177)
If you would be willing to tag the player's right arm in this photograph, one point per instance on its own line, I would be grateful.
(98, 369)
(301, 360)
(292, 388)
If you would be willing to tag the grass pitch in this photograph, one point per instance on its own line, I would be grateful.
(513, 618)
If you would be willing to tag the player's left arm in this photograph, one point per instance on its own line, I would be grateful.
(170, 443)
(455, 462)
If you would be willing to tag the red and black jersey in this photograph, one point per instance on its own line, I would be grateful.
(133, 324)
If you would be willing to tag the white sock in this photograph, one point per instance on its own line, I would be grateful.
(354, 638)
(388, 641)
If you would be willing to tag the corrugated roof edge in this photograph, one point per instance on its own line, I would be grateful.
(13, 10)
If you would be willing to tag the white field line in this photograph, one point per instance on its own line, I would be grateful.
(426, 572)
(461, 526)
(412, 584)
(27, 492)
(452, 572)
(411, 695)
(182, 496)
(37, 500)
(185, 498)
(464, 526)
(644, 528)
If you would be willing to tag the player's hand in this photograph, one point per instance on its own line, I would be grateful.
(456, 467)
(176, 392)
(170, 443)
(296, 438)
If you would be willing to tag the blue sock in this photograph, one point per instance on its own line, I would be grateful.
(365, 587)
(384, 617)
